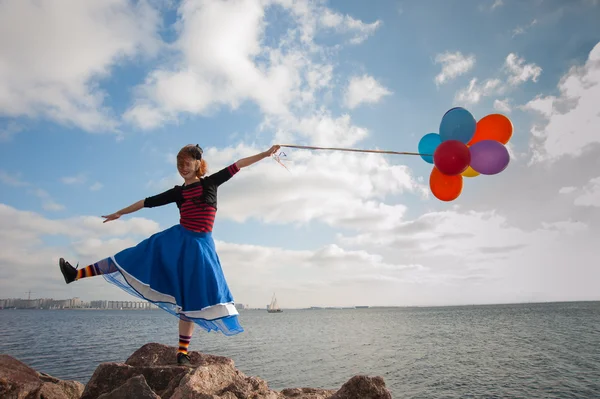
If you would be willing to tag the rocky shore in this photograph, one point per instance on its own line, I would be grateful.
(151, 373)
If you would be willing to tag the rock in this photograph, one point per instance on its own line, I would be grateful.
(221, 381)
(19, 381)
(152, 372)
(109, 376)
(154, 354)
(363, 387)
(70, 389)
(135, 387)
(49, 390)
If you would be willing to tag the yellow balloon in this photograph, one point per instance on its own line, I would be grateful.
(470, 172)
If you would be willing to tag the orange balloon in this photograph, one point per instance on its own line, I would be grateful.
(445, 188)
(493, 127)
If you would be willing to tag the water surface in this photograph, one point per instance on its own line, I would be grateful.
(517, 351)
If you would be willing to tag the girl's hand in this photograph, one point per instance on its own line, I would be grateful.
(272, 150)
(112, 216)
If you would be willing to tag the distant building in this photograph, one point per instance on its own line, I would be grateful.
(99, 304)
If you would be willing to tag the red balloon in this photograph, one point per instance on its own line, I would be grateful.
(452, 157)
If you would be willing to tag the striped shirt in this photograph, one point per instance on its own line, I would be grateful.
(197, 202)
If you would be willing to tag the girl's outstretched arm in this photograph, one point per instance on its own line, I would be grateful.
(130, 209)
(242, 163)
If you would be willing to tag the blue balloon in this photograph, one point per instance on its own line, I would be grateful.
(428, 144)
(458, 124)
(451, 109)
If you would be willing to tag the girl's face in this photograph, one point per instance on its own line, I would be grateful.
(187, 167)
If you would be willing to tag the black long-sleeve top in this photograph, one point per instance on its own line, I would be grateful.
(197, 202)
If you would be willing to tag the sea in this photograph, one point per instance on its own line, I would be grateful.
(541, 350)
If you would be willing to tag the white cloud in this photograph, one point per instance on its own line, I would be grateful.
(320, 129)
(541, 105)
(483, 251)
(364, 89)
(220, 59)
(438, 233)
(590, 195)
(522, 29)
(503, 106)
(328, 275)
(345, 23)
(567, 226)
(11, 180)
(497, 3)
(77, 179)
(475, 92)
(490, 5)
(519, 72)
(453, 65)
(54, 56)
(569, 123)
(47, 202)
(29, 224)
(96, 186)
(567, 190)
(51, 205)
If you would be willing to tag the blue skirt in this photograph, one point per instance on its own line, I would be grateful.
(179, 271)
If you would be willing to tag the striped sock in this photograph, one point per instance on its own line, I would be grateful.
(88, 271)
(184, 342)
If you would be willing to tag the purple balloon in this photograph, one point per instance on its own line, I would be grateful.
(489, 157)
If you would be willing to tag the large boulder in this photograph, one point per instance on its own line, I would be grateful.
(19, 381)
(364, 387)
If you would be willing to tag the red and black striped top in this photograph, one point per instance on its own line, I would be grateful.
(197, 202)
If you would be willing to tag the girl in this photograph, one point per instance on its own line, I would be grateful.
(178, 269)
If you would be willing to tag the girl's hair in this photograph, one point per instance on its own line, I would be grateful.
(194, 152)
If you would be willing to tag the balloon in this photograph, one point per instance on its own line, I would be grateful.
(428, 144)
(470, 172)
(444, 187)
(493, 127)
(450, 110)
(452, 157)
(489, 157)
(458, 124)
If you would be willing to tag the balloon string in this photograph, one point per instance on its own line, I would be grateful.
(277, 158)
(353, 150)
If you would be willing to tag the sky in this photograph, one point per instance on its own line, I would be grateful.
(97, 97)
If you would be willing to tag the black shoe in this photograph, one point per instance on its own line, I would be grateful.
(68, 271)
(183, 359)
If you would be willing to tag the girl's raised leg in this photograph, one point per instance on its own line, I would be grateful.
(71, 273)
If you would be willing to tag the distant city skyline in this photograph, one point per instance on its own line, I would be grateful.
(77, 303)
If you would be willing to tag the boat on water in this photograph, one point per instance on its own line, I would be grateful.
(273, 307)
